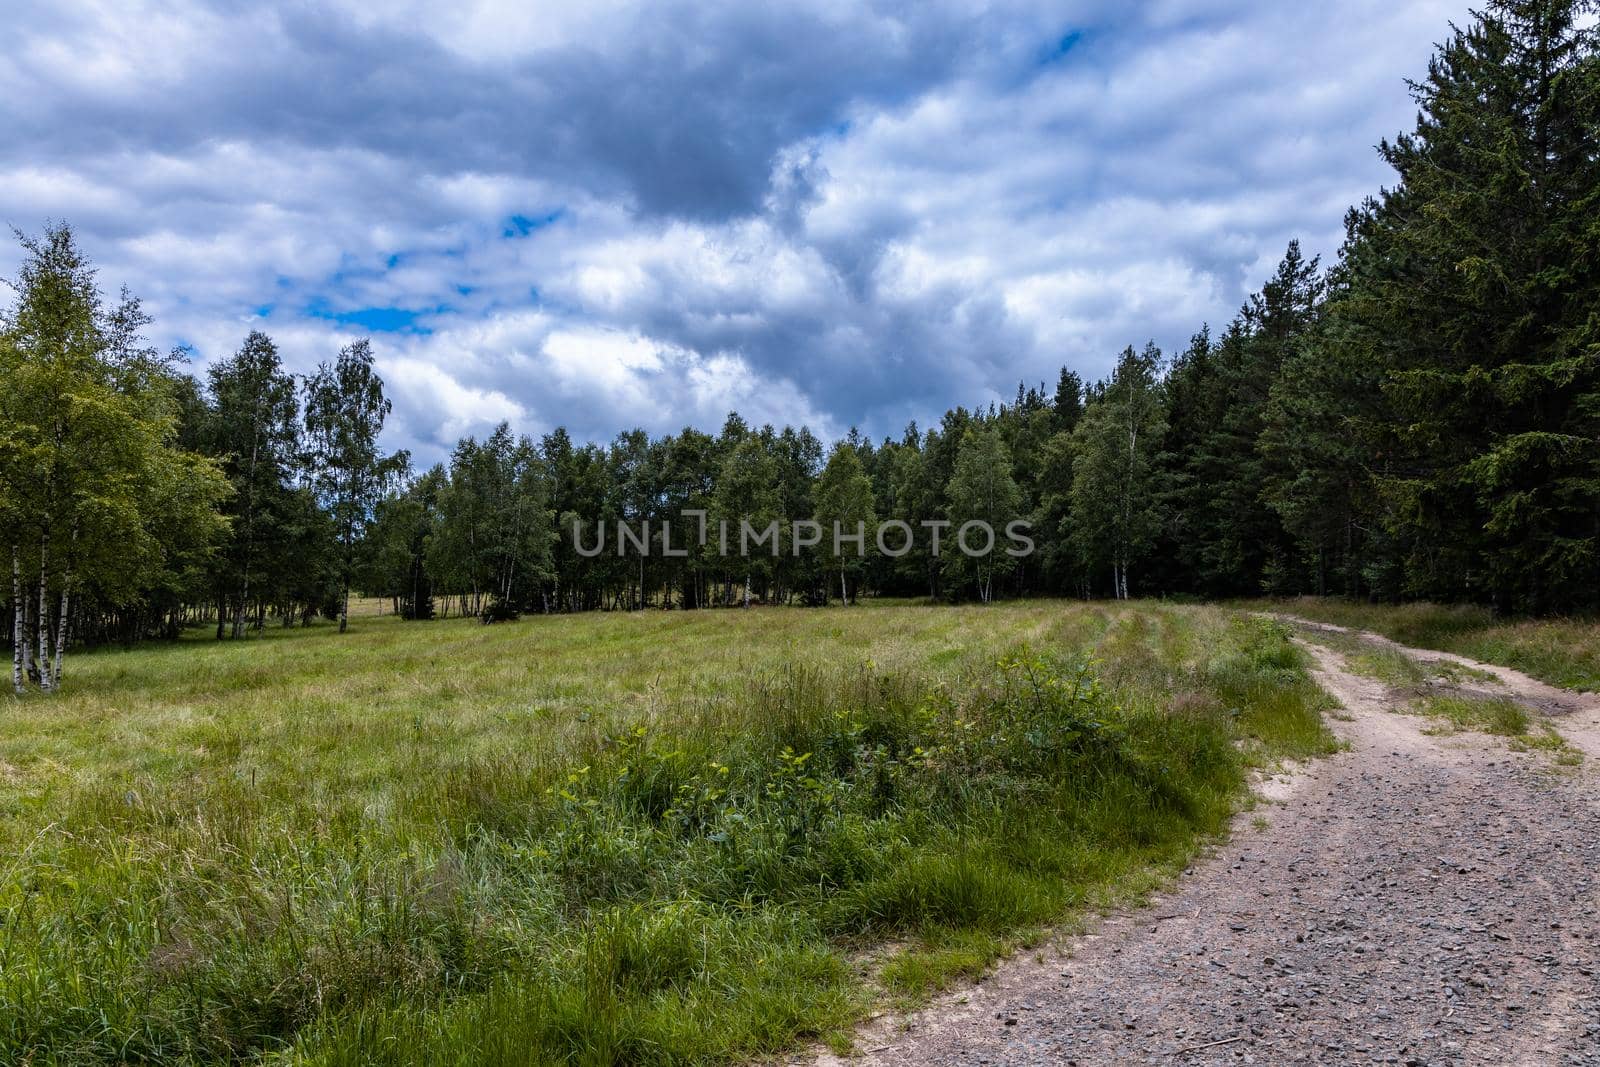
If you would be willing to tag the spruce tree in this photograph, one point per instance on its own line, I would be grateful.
(1472, 285)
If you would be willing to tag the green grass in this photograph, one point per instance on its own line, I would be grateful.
(1501, 717)
(1388, 665)
(1490, 715)
(645, 838)
(940, 958)
(1550, 741)
(1563, 652)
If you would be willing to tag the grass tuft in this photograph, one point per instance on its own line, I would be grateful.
(1499, 716)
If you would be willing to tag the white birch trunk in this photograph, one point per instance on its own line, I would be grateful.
(249, 516)
(18, 609)
(27, 638)
(66, 604)
(61, 631)
(43, 626)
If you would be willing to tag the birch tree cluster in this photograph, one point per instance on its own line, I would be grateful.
(97, 500)
(136, 500)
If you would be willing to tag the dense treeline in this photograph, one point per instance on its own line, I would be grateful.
(1420, 420)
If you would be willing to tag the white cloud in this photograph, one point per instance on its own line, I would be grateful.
(834, 213)
(457, 410)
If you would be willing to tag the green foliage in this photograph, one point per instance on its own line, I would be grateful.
(1420, 420)
(344, 413)
(490, 528)
(843, 500)
(981, 493)
(1115, 505)
(96, 503)
(251, 425)
(744, 507)
(1483, 441)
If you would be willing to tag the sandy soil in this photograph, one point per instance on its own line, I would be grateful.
(1576, 715)
(1416, 899)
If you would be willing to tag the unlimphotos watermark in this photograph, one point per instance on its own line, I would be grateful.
(975, 538)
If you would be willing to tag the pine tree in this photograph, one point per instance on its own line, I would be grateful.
(1472, 283)
(1067, 406)
(1322, 416)
(1230, 540)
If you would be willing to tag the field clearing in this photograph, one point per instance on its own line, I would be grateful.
(647, 837)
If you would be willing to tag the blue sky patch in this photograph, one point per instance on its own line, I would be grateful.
(373, 319)
(523, 225)
(1067, 43)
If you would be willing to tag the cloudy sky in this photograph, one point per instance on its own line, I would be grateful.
(608, 214)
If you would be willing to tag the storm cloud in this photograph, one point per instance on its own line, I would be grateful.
(614, 214)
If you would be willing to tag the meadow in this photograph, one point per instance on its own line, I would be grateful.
(652, 837)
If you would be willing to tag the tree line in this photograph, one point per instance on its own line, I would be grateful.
(1420, 419)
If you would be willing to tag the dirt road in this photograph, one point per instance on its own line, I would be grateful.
(1417, 899)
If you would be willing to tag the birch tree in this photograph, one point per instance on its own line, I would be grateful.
(1115, 505)
(344, 413)
(746, 497)
(845, 510)
(983, 492)
(492, 532)
(254, 433)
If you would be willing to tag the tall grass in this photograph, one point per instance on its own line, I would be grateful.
(603, 839)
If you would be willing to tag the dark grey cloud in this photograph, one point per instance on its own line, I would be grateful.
(680, 108)
(617, 213)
